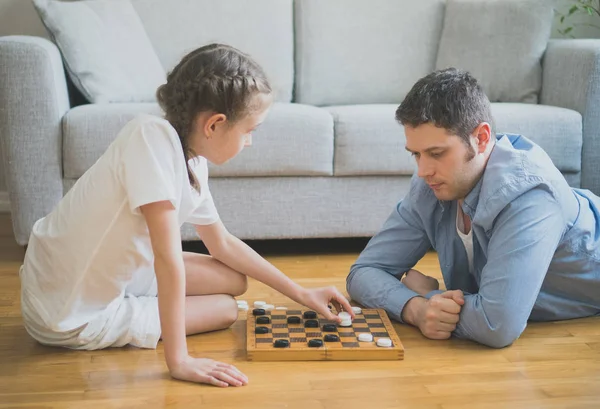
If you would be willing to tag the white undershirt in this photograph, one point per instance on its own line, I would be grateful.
(467, 239)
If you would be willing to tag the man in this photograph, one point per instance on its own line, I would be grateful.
(514, 241)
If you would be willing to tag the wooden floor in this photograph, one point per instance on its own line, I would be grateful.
(553, 365)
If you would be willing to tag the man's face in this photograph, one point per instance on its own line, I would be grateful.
(445, 162)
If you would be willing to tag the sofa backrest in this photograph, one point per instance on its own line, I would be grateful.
(261, 28)
(360, 52)
(315, 52)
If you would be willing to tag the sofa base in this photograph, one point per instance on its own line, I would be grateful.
(261, 208)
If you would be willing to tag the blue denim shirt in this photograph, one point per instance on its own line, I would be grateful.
(536, 247)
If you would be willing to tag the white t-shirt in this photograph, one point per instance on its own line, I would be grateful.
(83, 254)
(467, 239)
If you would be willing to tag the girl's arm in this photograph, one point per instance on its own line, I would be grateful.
(165, 236)
(239, 256)
(163, 225)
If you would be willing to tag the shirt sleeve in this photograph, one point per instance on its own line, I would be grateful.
(525, 236)
(374, 279)
(150, 166)
(205, 212)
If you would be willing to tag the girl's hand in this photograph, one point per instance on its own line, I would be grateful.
(204, 370)
(318, 299)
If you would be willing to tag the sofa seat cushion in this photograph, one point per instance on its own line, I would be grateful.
(294, 140)
(369, 141)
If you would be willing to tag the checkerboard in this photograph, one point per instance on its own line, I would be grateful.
(260, 347)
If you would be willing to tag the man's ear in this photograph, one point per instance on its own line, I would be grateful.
(212, 123)
(483, 135)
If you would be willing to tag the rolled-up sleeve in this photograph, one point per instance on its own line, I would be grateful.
(374, 279)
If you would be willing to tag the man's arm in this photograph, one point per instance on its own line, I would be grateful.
(374, 279)
(523, 242)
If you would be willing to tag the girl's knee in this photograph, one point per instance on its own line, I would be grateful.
(230, 314)
(240, 286)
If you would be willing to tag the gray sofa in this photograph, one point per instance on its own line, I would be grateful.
(330, 159)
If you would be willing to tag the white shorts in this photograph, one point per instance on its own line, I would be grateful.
(133, 320)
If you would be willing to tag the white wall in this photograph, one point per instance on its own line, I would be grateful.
(19, 17)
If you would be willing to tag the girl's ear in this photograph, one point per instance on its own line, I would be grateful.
(213, 122)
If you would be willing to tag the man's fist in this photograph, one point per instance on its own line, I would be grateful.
(436, 317)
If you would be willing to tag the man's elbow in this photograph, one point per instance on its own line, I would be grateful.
(349, 279)
(500, 341)
(501, 337)
(353, 281)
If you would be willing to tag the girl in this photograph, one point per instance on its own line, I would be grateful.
(106, 268)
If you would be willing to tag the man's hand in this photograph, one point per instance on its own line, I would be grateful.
(436, 317)
(420, 283)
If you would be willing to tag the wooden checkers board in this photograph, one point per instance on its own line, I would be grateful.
(260, 347)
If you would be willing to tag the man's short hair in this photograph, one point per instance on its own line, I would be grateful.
(451, 99)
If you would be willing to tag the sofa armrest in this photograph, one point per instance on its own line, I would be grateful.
(571, 80)
(33, 101)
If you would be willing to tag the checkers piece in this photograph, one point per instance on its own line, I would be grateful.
(311, 324)
(258, 311)
(263, 320)
(384, 342)
(310, 315)
(364, 337)
(329, 328)
(294, 320)
(315, 343)
(281, 343)
(331, 338)
(261, 330)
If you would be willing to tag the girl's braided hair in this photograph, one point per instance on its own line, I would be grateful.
(215, 78)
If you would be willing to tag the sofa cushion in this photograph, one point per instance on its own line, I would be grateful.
(360, 52)
(501, 42)
(369, 141)
(262, 28)
(105, 49)
(559, 131)
(294, 140)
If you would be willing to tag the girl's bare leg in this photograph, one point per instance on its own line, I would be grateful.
(210, 288)
(205, 313)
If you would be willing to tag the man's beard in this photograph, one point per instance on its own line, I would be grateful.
(470, 154)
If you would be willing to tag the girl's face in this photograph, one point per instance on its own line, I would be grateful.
(218, 140)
